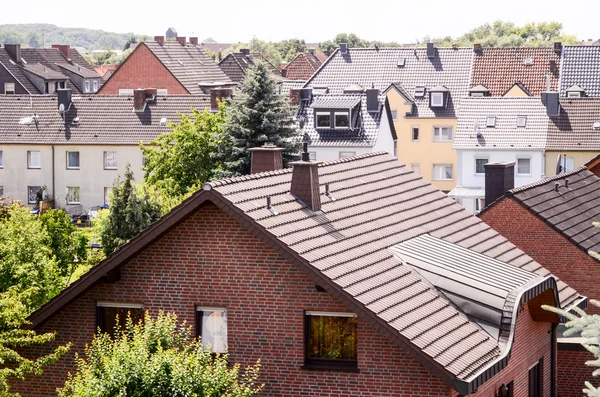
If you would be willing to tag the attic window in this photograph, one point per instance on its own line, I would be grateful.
(437, 99)
(528, 61)
(491, 121)
(521, 121)
(419, 91)
(401, 62)
(597, 126)
(323, 119)
(342, 120)
(573, 94)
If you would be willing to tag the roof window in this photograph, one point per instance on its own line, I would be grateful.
(491, 121)
(597, 126)
(521, 121)
(419, 91)
(401, 62)
(528, 61)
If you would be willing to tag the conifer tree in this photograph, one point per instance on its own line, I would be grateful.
(256, 116)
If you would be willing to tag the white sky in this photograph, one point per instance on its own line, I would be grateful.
(402, 21)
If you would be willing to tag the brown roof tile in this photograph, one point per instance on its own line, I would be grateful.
(574, 128)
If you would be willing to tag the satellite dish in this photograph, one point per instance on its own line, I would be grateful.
(558, 165)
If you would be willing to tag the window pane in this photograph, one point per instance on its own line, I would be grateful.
(32, 194)
(479, 165)
(34, 159)
(524, 166)
(415, 133)
(332, 337)
(72, 159)
(323, 120)
(568, 168)
(437, 99)
(110, 160)
(107, 319)
(341, 120)
(442, 134)
(1, 190)
(214, 330)
(442, 172)
(107, 192)
(73, 194)
(394, 115)
(1, 160)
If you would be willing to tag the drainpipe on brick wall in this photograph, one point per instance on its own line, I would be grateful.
(53, 178)
(553, 360)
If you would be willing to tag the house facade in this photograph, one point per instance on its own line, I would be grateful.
(351, 274)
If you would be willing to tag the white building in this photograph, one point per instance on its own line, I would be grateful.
(498, 130)
(76, 154)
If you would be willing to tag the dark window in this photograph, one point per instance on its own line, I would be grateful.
(107, 321)
(323, 119)
(331, 340)
(341, 120)
(479, 165)
(415, 133)
(536, 379)
(511, 389)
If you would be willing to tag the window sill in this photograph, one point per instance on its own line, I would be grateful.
(73, 168)
(110, 169)
(330, 366)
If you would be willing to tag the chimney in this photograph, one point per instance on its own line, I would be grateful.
(344, 48)
(372, 100)
(217, 94)
(306, 94)
(141, 96)
(295, 95)
(64, 99)
(194, 40)
(558, 48)
(14, 51)
(266, 158)
(305, 181)
(477, 48)
(312, 51)
(245, 51)
(499, 178)
(284, 72)
(430, 50)
(181, 40)
(159, 39)
(65, 49)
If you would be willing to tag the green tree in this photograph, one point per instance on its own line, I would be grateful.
(179, 161)
(256, 116)
(351, 39)
(288, 49)
(131, 211)
(174, 364)
(266, 49)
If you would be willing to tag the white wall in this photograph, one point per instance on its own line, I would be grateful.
(91, 177)
(385, 141)
(329, 153)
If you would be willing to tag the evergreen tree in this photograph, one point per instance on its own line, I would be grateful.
(131, 211)
(256, 116)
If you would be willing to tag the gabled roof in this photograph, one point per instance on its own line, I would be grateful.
(304, 65)
(285, 86)
(103, 119)
(44, 72)
(189, 64)
(17, 72)
(379, 67)
(79, 70)
(236, 64)
(573, 128)
(375, 203)
(472, 118)
(570, 210)
(580, 66)
(500, 68)
(521, 87)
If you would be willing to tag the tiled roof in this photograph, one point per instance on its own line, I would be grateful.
(304, 65)
(103, 119)
(17, 72)
(377, 206)
(235, 65)
(189, 64)
(570, 209)
(500, 68)
(79, 70)
(368, 66)
(286, 85)
(580, 66)
(574, 129)
(335, 101)
(103, 69)
(473, 115)
(44, 72)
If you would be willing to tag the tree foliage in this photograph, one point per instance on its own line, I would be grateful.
(131, 211)
(179, 161)
(256, 116)
(158, 357)
(288, 49)
(265, 48)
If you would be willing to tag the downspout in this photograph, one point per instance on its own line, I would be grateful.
(553, 360)
(53, 178)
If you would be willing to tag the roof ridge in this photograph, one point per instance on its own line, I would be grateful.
(541, 182)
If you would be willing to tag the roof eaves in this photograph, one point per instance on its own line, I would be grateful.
(544, 181)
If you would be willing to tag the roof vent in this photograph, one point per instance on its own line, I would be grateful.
(491, 121)
(597, 126)
(528, 61)
(401, 62)
(521, 121)
(419, 91)
(75, 121)
(163, 121)
(344, 48)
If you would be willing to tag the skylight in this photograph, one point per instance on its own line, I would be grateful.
(420, 91)
(401, 62)
(528, 61)
(491, 121)
(597, 126)
(521, 121)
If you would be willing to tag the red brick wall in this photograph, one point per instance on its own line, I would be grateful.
(573, 372)
(142, 70)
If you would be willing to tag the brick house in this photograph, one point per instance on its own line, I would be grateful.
(173, 67)
(361, 247)
(551, 221)
(304, 65)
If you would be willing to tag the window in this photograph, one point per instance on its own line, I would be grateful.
(442, 172)
(437, 99)
(312, 156)
(34, 159)
(442, 134)
(419, 91)
(573, 94)
(523, 166)
(62, 84)
(87, 86)
(107, 192)
(73, 160)
(347, 154)
(9, 88)
(95, 85)
(125, 91)
(1, 190)
(491, 121)
(521, 121)
(107, 312)
(110, 160)
(342, 120)
(1, 160)
(73, 195)
(161, 92)
(331, 340)
(323, 120)
(211, 326)
(535, 379)
(415, 134)
(32, 192)
(568, 168)
(479, 166)
(416, 168)
(394, 115)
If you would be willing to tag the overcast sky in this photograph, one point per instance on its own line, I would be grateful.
(312, 20)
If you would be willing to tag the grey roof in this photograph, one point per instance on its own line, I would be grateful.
(570, 210)
(103, 119)
(285, 86)
(368, 66)
(573, 128)
(79, 70)
(473, 115)
(189, 64)
(335, 101)
(17, 72)
(44, 72)
(580, 66)
(236, 64)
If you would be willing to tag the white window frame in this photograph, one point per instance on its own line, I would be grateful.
(573, 94)
(6, 89)
(571, 166)
(490, 122)
(412, 133)
(29, 200)
(347, 114)
(94, 85)
(317, 114)
(487, 160)
(418, 170)
(69, 197)
(435, 177)
(214, 310)
(29, 165)
(524, 123)
(394, 115)
(1, 159)
(440, 130)
(69, 166)
(126, 91)
(517, 166)
(344, 154)
(437, 99)
(162, 92)
(116, 160)
(87, 85)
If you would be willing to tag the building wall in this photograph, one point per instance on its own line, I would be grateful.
(142, 70)
(6, 77)
(573, 373)
(425, 152)
(467, 176)
(210, 260)
(385, 140)
(580, 157)
(92, 178)
(515, 91)
(328, 153)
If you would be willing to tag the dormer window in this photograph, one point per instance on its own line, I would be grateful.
(338, 119)
(323, 119)
(87, 86)
(521, 121)
(342, 120)
(490, 122)
(575, 92)
(437, 99)
(419, 91)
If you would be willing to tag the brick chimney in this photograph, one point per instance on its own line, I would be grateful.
(477, 48)
(141, 97)
(14, 51)
(194, 40)
(266, 158)
(65, 49)
(159, 39)
(245, 51)
(305, 181)
(181, 40)
(312, 51)
(558, 48)
(295, 97)
(499, 178)
(217, 94)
